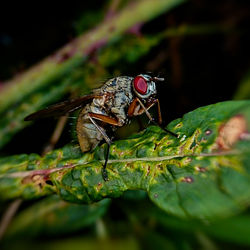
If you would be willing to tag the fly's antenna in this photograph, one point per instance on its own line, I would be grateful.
(155, 78)
(158, 79)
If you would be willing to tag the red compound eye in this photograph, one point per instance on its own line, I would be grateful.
(140, 85)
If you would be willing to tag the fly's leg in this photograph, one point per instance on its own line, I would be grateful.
(108, 120)
(159, 112)
(106, 138)
(104, 170)
(100, 129)
(159, 116)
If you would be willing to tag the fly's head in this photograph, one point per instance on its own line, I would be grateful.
(144, 86)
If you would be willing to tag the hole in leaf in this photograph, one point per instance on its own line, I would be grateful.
(49, 182)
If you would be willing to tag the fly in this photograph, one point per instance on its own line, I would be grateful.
(109, 106)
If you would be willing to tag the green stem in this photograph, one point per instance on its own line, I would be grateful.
(75, 53)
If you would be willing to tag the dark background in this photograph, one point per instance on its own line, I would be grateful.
(199, 69)
(212, 63)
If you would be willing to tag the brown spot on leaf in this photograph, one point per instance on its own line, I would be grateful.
(231, 132)
(159, 167)
(187, 179)
(179, 125)
(155, 195)
(200, 169)
(99, 186)
(121, 153)
(203, 140)
(148, 171)
(26, 180)
(129, 165)
(187, 160)
(208, 132)
(39, 180)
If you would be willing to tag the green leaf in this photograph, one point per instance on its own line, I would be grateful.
(53, 216)
(234, 229)
(204, 173)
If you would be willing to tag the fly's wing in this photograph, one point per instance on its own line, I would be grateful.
(61, 108)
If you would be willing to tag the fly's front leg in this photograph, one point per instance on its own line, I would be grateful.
(159, 112)
(108, 120)
(146, 108)
(136, 109)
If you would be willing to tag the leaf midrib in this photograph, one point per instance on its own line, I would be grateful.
(128, 160)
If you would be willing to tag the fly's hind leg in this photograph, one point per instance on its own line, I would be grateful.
(104, 170)
(108, 120)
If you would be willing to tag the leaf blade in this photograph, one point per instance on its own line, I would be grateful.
(198, 175)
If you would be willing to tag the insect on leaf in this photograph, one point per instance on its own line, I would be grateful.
(204, 173)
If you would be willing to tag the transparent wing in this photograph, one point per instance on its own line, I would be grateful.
(61, 108)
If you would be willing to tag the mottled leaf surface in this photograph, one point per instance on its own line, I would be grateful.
(203, 173)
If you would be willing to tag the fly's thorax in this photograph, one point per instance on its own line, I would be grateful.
(117, 83)
(116, 96)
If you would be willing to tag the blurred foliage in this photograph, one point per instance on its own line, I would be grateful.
(49, 217)
(243, 92)
(203, 50)
(67, 70)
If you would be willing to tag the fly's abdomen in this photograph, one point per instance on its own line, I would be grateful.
(88, 135)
